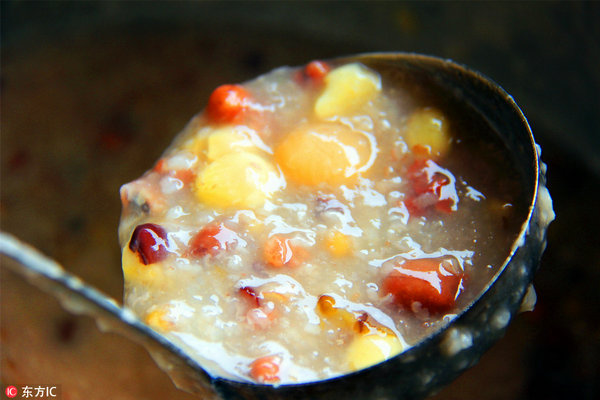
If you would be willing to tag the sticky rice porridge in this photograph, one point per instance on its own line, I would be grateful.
(315, 221)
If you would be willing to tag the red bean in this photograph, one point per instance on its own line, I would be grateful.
(150, 242)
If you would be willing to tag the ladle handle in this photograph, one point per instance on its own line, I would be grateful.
(82, 299)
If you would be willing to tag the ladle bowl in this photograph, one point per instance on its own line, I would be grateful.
(424, 368)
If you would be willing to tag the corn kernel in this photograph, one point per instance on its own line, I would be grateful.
(238, 180)
(371, 349)
(427, 130)
(347, 88)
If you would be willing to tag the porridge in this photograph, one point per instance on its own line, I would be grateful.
(316, 221)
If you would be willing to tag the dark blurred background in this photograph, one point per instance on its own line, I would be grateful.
(93, 91)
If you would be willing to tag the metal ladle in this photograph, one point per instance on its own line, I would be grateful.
(415, 373)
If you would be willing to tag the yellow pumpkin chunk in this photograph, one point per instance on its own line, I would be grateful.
(427, 131)
(338, 244)
(134, 270)
(371, 349)
(237, 180)
(324, 153)
(347, 88)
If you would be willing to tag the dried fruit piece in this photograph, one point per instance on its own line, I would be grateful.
(250, 294)
(262, 312)
(427, 132)
(372, 342)
(150, 243)
(212, 239)
(266, 369)
(432, 186)
(312, 74)
(326, 305)
(347, 88)
(238, 180)
(435, 283)
(279, 251)
(316, 70)
(324, 153)
(337, 316)
(261, 317)
(228, 104)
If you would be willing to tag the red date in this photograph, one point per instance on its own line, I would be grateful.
(212, 239)
(432, 187)
(433, 282)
